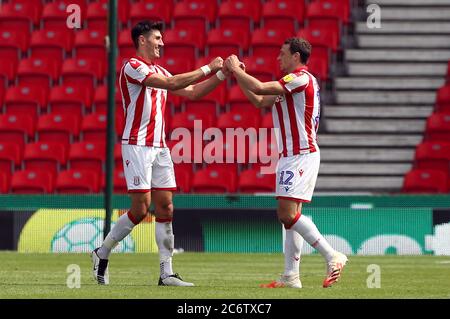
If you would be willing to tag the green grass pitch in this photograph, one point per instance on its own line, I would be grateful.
(222, 276)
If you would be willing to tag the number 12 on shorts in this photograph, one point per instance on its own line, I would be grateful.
(285, 177)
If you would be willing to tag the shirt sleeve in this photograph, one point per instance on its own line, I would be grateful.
(137, 71)
(294, 83)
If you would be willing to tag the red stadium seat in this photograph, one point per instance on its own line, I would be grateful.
(7, 70)
(237, 119)
(45, 156)
(327, 15)
(70, 99)
(267, 42)
(51, 44)
(425, 181)
(183, 176)
(433, 155)
(214, 181)
(100, 103)
(226, 41)
(240, 14)
(20, 16)
(26, 100)
(16, 128)
(264, 69)
(10, 157)
(38, 71)
(184, 41)
(97, 14)
(13, 43)
(87, 155)
(318, 65)
(213, 100)
(32, 182)
(126, 47)
(76, 181)
(63, 128)
(443, 99)
(118, 162)
(119, 181)
(176, 64)
(264, 154)
(93, 127)
(186, 120)
(320, 37)
(283, 14)
(4, 182)
(267, 120)
(195, 13)
(79, 71)
(438, 127)
(154, 10)
(54, 14)
(252, 181)
(90, 44)
(246, 108)
(340, 8)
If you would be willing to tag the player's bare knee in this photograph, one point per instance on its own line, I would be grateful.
(164, 210)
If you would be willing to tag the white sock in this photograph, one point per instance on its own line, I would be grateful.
(292, 248)
(121, 229)
(308, 230)
(165, 242)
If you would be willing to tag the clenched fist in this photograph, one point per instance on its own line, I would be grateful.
(216, 64)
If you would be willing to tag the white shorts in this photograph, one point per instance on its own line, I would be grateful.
(297, 176)
(148, 168)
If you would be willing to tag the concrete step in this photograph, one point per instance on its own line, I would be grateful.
(397, 69)
(409, 27)
(359, 183)
(395, 169)
(368, 155)
(403, 41)
(374, 126)
(415, 13)
(386, 97)
(388, 83)
(411, 3)
(376, 112)
(392, 55)
(369, 140)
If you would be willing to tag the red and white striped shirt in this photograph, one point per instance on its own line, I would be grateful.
(144, 106)
(296, 113)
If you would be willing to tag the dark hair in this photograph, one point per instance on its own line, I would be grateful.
(301, 46)
(144, 27)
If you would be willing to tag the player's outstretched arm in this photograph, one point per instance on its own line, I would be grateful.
(250, 83)
(183, 80)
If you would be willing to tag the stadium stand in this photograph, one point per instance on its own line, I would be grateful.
(385, 99)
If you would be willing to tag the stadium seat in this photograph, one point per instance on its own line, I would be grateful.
(438, 127)
(119, 181)
(184, 41)
(425, 181)
(221, 151)
(433, 155)
(186, 120)
(93, 128)
(252, 181)
(246, 108)
(263, 68)
(16, 128)
(214, 100)
(38, 71)
(76, 181)
(267, 120)
(10, 157)
(54, 14)
(154, 10)
(183, 176)
(195, 13)
(100, 103)
(45, 156)
(237, 119)
(185, 150)
(13, 43)
(325, 14)
(214, 181)
(443, 99)
(226, 41)
(283, 14)
(318, 65)
(90, 44)
(118, 155)
(32, 182)
(242, 14)
(267, 42)
(4, 182)
(176, 64)
(63, 128)
(320, 37)
(80, 71)
(51, 44)
(20, 16)
(126, 46)
(264, 155)
(340, 8)
(7, 70)
(71, 99)
(87, 155)
(28, 99)
(97, 14)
